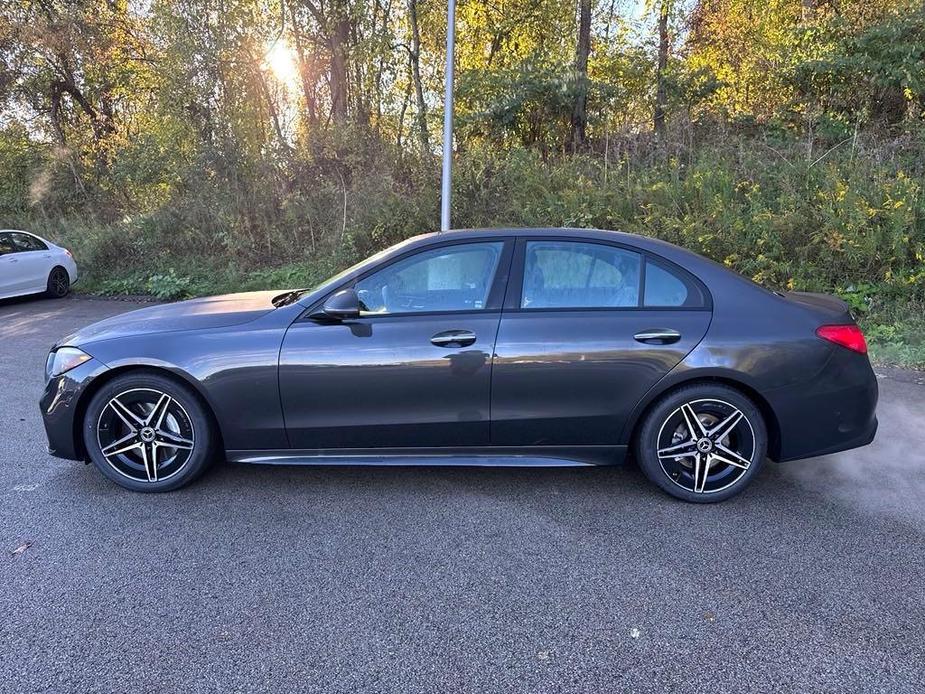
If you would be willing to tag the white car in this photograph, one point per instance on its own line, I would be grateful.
(32, 265)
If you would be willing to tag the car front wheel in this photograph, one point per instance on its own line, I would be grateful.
(148, 433)
(702, 443)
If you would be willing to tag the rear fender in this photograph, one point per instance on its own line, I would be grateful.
(681, 377)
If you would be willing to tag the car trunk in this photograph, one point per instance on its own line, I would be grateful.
(827, 308)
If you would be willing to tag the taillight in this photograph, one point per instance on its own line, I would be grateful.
(69, 254)
(849, 336)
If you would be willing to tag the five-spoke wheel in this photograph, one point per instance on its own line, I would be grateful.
(145, 435)
(702, 442)
(148, 432)
(59, 283)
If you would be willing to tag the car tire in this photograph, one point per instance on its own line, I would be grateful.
(726, 450)
(149, 433)
(59, 283)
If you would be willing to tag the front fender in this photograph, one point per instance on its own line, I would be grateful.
(235, 370)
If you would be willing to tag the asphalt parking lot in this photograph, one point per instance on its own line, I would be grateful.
(453, 580)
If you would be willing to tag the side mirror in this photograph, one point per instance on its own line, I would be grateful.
(345, 305)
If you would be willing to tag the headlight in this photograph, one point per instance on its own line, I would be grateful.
(64, 359)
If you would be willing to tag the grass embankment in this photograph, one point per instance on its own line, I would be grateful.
(849, 220)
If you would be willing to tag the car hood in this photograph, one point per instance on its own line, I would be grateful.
(196, 314)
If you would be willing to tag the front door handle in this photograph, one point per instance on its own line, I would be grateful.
(453, 338)
(658, 336)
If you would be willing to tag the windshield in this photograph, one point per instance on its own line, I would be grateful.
(287, 298)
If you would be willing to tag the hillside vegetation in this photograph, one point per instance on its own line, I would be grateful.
(182, 148)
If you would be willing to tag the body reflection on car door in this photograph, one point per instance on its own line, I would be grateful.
(420, 377)
(578, 347)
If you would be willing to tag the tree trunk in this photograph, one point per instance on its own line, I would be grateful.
(340, 35)
(272, 110)
(661, 92)
(307, 75)
(401, 114)
(423, 135)
(55, 94)
(580, 110)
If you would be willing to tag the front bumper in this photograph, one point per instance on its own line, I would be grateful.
(835, 411)
(62, 409)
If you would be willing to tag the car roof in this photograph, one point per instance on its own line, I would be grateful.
(528, 231)
(570, 232)
(21, 231)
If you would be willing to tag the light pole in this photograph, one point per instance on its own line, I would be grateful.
(446, 185)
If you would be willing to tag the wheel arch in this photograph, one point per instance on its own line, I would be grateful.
(733, 380)
(100, 381)
(51, 270)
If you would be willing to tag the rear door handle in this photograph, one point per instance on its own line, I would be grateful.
(658, 336)
(453, 338)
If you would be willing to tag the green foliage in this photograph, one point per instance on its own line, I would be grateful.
(132, 285)
(159, 142)
(896, 335)
(877, 74)
(168, 285)
(852, 223)
(527, 106)
(20, 162)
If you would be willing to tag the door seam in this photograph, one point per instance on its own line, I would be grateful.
(494, 343)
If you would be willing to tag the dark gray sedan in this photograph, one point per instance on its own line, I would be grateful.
(529, 347)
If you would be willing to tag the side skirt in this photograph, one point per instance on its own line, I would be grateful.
(502, 456)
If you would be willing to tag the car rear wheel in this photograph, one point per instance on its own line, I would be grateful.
(59, 283)
(148, 433)
(702, 443)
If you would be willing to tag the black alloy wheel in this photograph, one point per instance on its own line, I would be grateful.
(59, 283)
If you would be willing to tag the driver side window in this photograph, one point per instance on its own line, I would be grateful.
(452, 278)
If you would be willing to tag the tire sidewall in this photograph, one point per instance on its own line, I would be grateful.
(647, 440)
(202, 426)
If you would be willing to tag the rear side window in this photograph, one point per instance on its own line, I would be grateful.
(569, 274)
(25, 243)
(665, 288)
(6, 244)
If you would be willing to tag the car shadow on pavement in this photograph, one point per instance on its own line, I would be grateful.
(565, 495)
(31, 299)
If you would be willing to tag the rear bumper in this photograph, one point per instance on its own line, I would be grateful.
(835, 411)
(860, 439)
(60, 406)
(71, 266)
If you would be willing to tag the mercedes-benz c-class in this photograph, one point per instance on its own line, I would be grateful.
(529, 347)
